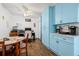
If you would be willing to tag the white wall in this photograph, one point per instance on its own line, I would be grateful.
(37, 28)
(22, 24)
(19, 21)
(5, 22)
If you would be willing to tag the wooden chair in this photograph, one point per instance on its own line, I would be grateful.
(2, 48)
(17, 45)
(4, 51)
(25, 42)
(10, 51)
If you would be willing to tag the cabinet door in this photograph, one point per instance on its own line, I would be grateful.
(58, 14)
(53, 44)
(52, 19)
(69, 12)
(65, 48)
(47, 37)
(43, 35)
(45, 28)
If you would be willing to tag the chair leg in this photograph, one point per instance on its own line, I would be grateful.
(26, 51)
(18, 49)
(3, 53)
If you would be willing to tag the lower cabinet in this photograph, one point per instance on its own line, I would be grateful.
(65, 48)
(61, 47)
(54, 44)
(45, 36)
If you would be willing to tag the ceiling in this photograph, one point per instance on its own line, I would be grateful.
(32, 10)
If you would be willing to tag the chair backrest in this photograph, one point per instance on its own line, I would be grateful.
(29, 33)
(26, 42)
(2, 46)
(27, 37)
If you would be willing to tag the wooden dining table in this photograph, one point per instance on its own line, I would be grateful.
(14, 41)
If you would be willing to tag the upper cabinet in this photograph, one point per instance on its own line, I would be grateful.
(69, 13)
(58, 14)
(51, 19)
(66, 13)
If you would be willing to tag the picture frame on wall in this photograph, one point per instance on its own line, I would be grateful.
(34, 24)
(27, 20)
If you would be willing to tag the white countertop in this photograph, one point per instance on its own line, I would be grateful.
(65, 35)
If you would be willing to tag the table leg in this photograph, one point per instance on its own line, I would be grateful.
(17, 48)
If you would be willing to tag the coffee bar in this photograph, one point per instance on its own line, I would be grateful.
(69, 29)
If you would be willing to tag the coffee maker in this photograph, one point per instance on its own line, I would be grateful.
(73, 30)
(58, 29)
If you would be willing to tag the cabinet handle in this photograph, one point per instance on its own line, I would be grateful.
(64, 39)
(57, 41)
(60, 21)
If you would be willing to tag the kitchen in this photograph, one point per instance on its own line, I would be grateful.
(56, 26)
(60, 29)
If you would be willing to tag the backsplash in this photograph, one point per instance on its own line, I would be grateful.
(71, 24)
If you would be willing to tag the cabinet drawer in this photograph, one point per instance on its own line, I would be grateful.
(64, 37)
(68, 39)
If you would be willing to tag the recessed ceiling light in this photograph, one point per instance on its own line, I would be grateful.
(24, 14)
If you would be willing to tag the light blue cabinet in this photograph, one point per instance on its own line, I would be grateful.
(45, 29)
(54, 44)
(64, 45)
(43, 35)
(69, 12)
(65, 48)
(58, 14)
(51, 19)
(66, 13)
(47, 25)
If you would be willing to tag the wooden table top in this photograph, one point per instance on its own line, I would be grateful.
(13, 40)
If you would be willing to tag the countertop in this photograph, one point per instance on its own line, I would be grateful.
(65, 35)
